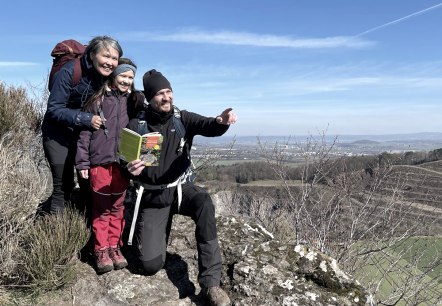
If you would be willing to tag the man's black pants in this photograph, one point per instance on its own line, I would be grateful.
(154, 226)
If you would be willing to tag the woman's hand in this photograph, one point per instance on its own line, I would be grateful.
(135, 167)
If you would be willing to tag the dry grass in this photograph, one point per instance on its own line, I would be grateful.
(20, 114)
(21, 185)
(49, 250)
(21, 189)
(34, 254)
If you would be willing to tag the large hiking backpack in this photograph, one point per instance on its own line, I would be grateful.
(64, 52)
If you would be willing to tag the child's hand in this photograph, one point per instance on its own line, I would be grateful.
(84, 173)
(96, 122)
(135, 167)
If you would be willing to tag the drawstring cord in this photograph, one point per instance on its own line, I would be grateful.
(84, 94)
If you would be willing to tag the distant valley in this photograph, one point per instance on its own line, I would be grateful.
(246, 148)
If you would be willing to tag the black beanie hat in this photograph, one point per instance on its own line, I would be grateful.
(154, 81)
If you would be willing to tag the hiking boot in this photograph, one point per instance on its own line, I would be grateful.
(216, 296)
(119, 262)
(103, 262)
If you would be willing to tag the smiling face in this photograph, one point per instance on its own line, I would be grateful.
(105, 60)
(124, 80)
(162, 101)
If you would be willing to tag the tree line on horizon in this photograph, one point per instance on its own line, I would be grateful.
(243, 173)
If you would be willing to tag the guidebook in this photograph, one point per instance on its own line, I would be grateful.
(146, 147)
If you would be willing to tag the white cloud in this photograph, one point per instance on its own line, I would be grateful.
(250, 39)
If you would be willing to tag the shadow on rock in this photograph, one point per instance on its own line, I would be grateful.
(178, 273)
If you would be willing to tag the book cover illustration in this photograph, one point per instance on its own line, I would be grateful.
(151, 149)
(145, 147)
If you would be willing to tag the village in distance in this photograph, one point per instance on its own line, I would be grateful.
(254, 148)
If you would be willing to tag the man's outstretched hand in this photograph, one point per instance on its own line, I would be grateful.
(227, 117)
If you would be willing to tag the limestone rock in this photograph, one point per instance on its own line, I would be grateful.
(257, 270)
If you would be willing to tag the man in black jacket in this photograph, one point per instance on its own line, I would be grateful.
(168, 188)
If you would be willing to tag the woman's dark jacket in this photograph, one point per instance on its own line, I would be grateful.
(100, 147)
(173, 163)
(63, 114)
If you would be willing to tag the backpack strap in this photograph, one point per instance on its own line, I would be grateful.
(142, 124)
(181, 130)
(135, 216)
(76, 75)
(179, 127)
(178, 123)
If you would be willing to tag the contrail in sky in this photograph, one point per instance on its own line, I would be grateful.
(398, 20)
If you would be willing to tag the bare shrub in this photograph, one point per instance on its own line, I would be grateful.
(4, 297)
(19, 112)
(362, 219)
(33, 253)
(261, 207)
(22, 186)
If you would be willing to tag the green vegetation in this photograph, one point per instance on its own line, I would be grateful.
(244, 173)
(428, 248)
(393, 269)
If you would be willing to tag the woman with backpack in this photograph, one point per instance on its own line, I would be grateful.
(97, 159)
(64, 118)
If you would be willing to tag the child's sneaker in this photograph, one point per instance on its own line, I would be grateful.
(119, 262)
(103, 262)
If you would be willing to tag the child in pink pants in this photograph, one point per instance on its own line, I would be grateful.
(97, 159)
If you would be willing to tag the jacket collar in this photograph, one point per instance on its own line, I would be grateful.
(116, 92)
(157, 117)
(87, 65)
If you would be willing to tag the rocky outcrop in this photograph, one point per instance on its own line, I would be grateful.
(258, 270)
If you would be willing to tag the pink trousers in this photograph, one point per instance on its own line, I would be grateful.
(108, 193)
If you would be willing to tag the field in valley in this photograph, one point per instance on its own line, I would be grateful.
(417, 190)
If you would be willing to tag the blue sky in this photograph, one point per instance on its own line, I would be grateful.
(286, 67)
